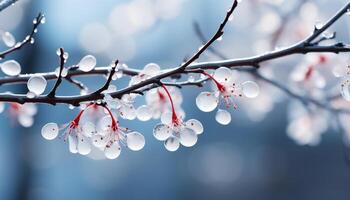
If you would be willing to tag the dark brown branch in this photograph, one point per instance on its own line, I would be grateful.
(37, 21)
(59, 78)
(216, 36)
(109, 79)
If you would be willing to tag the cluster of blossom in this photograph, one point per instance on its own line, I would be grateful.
(103, 131)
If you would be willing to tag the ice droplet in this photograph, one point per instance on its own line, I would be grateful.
(250, 89)
(50, 131)
(37, 84)
(206, 101)
(223, 117)
(135, 141)
(87, 63)
(11, 67)
(8, 39)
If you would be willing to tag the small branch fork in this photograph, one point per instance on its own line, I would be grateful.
(307, 45)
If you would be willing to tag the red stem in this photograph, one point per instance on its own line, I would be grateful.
(175, 119)
(220, 87)
(76, 121)
(114, 124)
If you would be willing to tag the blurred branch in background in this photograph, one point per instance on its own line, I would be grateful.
(6, 3)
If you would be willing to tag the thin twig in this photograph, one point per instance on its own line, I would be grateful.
(52, 93)
(36, 23)
(109, 79)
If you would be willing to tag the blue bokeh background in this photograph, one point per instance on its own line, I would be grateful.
(244, 160)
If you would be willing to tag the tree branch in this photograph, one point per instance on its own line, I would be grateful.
(6, 3)
(36, 23)
(59, 78)
(302, 47)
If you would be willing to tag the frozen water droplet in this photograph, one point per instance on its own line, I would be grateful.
(50, 131)
(250, 89)
(32, 40)
(35, 21)
(162, 132)
(151, 69)
(223, 74)
(318, 25)
(220, 38)
(230, 18)
(206, 101)
(58, 52)
(11, 67)
(43, 20)
(36, 84)
(63, 73)
(30, 95)
(223, 117)
(143, 113)
(172, 144)
(117, 74)
(348, 12)
(195, 125)
(87, 63)
(8, 39)
(188, 137)
(135, 141)
(113, 151)
(65, 55)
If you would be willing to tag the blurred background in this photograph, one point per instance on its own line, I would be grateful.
(251, 158)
